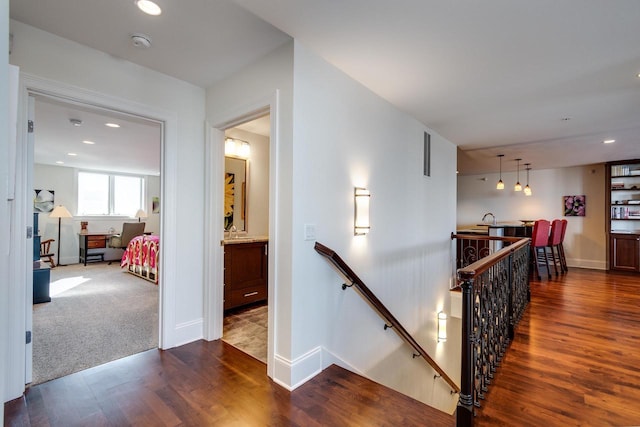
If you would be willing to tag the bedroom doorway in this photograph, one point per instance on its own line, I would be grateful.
(246, 236)
(86, 323)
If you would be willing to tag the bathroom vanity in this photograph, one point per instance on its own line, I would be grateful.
(245, 271)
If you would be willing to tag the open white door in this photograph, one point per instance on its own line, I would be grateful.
(29, 291)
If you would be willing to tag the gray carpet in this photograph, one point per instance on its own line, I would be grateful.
(106, 314)
(246, 329)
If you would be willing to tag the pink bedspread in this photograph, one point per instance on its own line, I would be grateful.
(141, 251)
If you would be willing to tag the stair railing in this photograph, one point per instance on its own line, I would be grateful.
(495, 294)
(376, 304)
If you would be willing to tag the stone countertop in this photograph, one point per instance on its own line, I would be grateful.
(244, 239)
(505, 224)
(483, 229)
(480, 231)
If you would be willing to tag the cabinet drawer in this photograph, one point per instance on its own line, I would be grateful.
(248, 295)
(92, 244)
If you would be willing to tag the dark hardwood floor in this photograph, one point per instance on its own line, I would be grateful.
(211, 383)
(575, 361)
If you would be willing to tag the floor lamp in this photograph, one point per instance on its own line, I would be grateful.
(59, 212)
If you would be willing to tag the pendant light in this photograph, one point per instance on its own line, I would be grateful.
(527, 189)
(518, 186)
(500, 184)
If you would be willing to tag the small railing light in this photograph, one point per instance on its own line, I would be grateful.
(442, 326)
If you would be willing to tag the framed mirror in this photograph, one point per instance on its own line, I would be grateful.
(235, 193)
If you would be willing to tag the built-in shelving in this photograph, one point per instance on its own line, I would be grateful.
(623, 214)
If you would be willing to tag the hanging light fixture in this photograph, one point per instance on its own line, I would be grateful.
(500, 184)
(527, 189)
(518, 186)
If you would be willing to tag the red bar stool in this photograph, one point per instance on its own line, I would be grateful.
(554, 240)
(539, 241)
(563, 259)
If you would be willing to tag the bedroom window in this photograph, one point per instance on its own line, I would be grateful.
(109, 194)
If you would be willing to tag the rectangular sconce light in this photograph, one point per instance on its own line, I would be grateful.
(361, 224)
(442, 326)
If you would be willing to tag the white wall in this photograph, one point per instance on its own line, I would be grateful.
(258, 177)
(585, 241)
(181, 104)
(61, 180)
(4, 205)
(346, 136)
(268, 78)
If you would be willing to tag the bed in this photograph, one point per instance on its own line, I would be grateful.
(140, 258)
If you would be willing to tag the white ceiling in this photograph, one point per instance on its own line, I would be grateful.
(134, 147)
(494, 77)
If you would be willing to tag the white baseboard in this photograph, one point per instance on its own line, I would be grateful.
(186, 332)
(291, 374)
(329, 358)
(587, 263)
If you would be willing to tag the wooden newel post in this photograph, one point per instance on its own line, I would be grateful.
(464, 412)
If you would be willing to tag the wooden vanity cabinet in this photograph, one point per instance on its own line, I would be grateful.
(245, 273)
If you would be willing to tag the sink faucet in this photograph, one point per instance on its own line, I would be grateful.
(492, 216)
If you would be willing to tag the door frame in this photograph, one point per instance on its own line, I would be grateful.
(214, 190)
(19, 302)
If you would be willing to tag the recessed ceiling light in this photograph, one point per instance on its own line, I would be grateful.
(112, 125)
(60, 162)
(608, 141)
(88, 142)
(71, 154)
(148, 7)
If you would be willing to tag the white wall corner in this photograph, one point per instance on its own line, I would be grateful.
(187, 332)
(456, 304)
(329, 358)
(291, 374)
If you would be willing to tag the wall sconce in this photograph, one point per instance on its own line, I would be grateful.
(361, 224)
(236, 148)
(442, 326)
(500, 184)
(518, 186)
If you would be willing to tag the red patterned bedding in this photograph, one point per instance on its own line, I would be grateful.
(141, 257)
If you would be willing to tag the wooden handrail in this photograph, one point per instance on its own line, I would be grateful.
(377, 305)
(483, 264)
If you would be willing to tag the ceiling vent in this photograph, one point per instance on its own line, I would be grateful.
(140, 40)
(75, 122)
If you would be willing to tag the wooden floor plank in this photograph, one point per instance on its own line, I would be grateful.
(212, 383)
(575, 358)
(574, 361)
